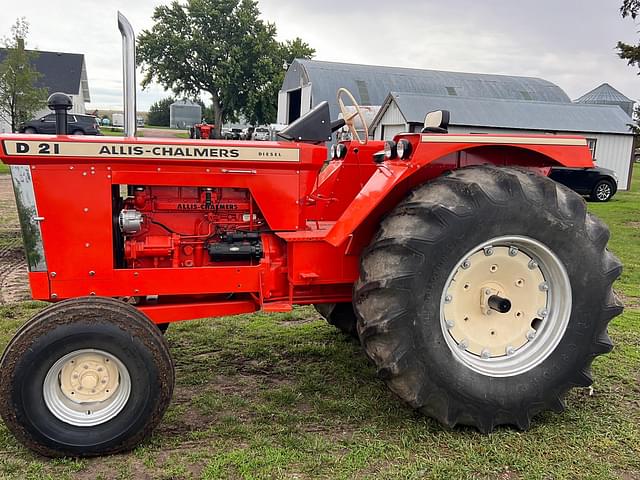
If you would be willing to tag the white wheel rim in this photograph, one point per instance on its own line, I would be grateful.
(537, 285)
(86, 388)
(603, 191)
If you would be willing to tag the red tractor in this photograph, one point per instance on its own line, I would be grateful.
(480, 288)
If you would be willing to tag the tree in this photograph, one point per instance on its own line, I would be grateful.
(262, 101)
(220, 47)
(631, 53)
(159, 113)
(20, 99)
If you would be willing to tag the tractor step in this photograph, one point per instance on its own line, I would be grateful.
(277, 307)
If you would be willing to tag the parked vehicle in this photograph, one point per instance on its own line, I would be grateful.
(261, 134)
(77, 124)
(599, 184)
(481, 293)
(233, 134)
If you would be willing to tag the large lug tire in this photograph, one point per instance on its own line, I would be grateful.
(602, 192)
(340, 315)
(85, 377)
(424, 315)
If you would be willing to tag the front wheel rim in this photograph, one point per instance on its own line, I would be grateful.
(537, 288)
(603, 191)
(86, 388)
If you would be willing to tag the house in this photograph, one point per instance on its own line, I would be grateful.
(61, 72)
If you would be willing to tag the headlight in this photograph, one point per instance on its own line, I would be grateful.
(341, 150)
(390, 149)
(404, 149)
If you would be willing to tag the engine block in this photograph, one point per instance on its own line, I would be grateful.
(164, 226)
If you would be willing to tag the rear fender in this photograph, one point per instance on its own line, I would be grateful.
(431, 158)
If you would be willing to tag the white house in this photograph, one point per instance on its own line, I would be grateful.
(61, 72)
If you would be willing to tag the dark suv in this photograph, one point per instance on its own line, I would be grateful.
(600, 184)
(76, 125)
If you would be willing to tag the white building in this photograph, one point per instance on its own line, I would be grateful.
(60, 72)
(477, 102)
(606, 127)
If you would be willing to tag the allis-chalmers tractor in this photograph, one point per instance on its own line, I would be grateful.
(480, 288)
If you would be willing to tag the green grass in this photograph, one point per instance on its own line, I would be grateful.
(286, 396)
(4, 168)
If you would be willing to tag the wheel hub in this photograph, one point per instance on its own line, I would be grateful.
(505, 306)
(501, 272)
(89, 377)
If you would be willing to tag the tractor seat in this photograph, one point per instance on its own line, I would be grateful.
(437, 122)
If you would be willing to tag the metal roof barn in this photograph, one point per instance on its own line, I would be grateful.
(606, 127)
(513, 114)
(309, 82)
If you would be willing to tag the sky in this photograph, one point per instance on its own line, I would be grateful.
(568, 42)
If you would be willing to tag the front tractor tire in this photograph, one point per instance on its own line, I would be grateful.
(85, 377)
(486, 295)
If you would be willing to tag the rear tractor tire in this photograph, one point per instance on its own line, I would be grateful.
(340, 315)
(84, 377)
(486, 295)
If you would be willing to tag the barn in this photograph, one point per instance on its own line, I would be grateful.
(606, 127)
(60, 72)
(479, 103)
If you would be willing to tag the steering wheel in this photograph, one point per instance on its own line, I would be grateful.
(349, 117)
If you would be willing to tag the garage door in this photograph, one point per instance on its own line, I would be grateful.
(390, 131)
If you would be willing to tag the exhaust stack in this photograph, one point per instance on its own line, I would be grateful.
(129, 74)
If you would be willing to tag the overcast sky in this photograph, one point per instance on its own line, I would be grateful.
(569, 42)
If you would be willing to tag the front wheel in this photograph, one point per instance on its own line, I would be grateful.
(602, 192)
(84, 377)
(485, 296)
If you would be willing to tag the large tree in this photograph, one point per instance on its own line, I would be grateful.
(262, 102)
(160, 112)
(20, 98)
(631, 53)
(220, 47)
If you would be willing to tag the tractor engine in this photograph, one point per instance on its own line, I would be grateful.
(172, 227)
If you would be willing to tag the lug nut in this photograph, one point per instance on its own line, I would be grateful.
(463, 345)
(510, 350)
(466, 264)
(543, 313)
(488, 251)
(448, 298)
(531, 334)
(450, 324)
(513, 251)
(485, 354)
(533, 265)
(544, 287)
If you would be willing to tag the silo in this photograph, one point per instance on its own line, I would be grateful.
(184, 114)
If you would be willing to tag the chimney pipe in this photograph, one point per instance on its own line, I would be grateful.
(129, 74)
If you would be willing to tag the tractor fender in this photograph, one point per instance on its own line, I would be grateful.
(393, 179)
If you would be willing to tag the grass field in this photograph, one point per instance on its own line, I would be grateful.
(287, 396)
(4, 168)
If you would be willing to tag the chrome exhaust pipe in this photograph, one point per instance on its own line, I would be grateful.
(128, 74)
